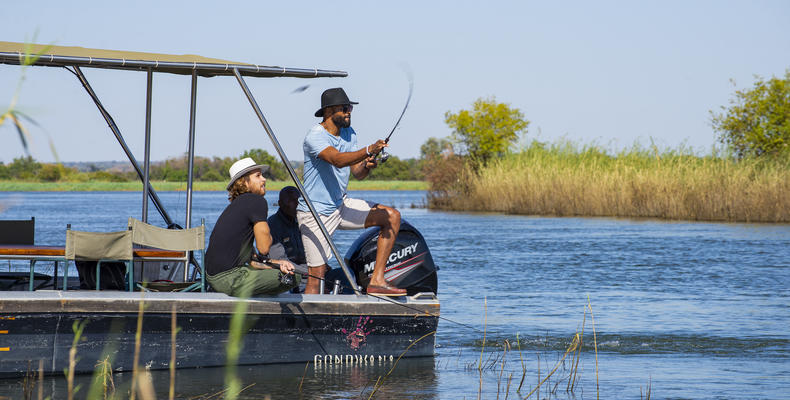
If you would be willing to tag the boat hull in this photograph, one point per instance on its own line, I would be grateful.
(40, 329)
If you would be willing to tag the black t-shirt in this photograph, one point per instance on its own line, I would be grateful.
(230, 244)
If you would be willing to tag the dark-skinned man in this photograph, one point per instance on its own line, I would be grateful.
(331, 153)
(284, 227)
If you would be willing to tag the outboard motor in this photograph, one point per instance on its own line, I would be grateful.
(410, 265)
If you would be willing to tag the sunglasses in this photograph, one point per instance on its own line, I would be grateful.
(347, 108)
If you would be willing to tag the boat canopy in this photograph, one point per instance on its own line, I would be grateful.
(73, 58)
(184, 64)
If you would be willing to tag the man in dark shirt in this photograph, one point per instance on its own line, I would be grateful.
(229, 261)
(284, 227)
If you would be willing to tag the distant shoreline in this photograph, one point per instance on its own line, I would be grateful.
(29, 186)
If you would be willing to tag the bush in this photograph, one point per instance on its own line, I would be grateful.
(445, 176)
(50, 173)
(212, 176)
(277, 170)
(395, 169)
(107, 176)
(24, 168)
(758, 120)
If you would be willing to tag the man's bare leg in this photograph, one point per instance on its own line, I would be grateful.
(313, 283)
(388, 219)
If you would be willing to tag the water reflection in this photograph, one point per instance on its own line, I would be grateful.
(411, 379)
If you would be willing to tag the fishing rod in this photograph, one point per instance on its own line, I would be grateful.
(384, 154)
(285, 279)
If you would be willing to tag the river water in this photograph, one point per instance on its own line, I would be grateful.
(683, 309)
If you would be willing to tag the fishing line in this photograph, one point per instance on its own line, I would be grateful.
(410, 77)
(385, 298)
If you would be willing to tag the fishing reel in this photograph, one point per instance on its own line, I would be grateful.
(383, 157)
(286, 279)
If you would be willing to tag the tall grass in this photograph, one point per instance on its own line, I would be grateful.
(570, 180)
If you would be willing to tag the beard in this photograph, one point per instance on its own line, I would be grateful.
(340, 121)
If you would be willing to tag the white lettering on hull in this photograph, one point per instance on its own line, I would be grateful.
(319, 359)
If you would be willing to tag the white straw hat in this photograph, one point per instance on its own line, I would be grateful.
(242, 167)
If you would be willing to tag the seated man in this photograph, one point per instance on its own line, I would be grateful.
(229, 265)
(284, 227)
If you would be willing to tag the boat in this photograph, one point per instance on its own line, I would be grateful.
(50, 330)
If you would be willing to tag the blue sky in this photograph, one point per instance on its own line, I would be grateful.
(606, 72)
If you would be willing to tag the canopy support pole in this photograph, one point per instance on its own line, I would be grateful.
(147, 157)
(191, 156)
(298, 183)
(122, 142)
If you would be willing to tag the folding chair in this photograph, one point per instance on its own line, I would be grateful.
(99, 247)
(182, 240)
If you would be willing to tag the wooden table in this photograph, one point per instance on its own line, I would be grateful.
(34, 253)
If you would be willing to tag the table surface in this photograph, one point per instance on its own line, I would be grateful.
(60, 251)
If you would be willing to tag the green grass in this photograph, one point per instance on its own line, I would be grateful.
(28, 186)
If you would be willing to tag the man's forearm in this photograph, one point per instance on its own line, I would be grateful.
(350, 158)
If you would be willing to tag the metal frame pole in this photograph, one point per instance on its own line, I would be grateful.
(122, 142)
(298, 183)
(191, 156)
(147, 157)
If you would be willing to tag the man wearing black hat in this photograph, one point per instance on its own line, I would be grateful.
(330, 154)
(229, 261)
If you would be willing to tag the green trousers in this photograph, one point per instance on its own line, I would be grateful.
(246, 281)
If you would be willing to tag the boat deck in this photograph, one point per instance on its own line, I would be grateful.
(88, 301)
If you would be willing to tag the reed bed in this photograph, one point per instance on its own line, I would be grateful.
(566, 180)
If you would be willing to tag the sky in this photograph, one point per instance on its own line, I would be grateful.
(611, 73)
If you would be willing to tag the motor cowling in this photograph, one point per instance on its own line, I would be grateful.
(409, 265)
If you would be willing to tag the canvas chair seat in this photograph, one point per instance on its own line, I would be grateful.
(94, 246)
(186, 240)
(167, 239)
(100, 247)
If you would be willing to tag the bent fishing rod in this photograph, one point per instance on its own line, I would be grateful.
(384, 154)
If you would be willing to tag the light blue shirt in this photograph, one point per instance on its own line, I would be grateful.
(324, 183)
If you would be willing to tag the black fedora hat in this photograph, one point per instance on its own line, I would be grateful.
(333, 97)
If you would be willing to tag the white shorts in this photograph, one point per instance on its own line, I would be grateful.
(350, 215)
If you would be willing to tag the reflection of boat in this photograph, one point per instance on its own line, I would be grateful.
(330, 329)
(412, 378)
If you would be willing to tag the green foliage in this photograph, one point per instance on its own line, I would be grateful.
(488, 130)
(24, 168)
(50, 172)
(434, 147)
(395, 169)
(758, 120)
(105, 176)
(276, 169)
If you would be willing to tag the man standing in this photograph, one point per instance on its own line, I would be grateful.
(230, 268)
(330, 154)
(284, 227)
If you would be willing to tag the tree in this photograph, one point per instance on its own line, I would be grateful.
(758, 120)
(24, 168)
(277, 170)
(488, 130)
(434, 147)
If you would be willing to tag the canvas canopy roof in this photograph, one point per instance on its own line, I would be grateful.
(56, 56)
